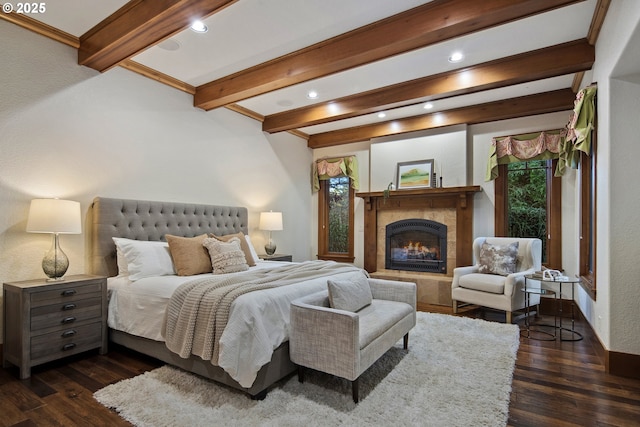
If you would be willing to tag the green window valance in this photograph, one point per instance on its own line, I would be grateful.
(324, 169)
(579, 129)
(525, 147)
(562, 144)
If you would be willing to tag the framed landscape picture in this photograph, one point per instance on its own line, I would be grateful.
(417, 174)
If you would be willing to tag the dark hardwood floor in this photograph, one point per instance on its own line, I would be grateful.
(554, 384)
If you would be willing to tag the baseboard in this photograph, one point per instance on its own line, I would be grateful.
(620, 364)
(623, 364)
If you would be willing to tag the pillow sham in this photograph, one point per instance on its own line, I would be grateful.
(350, 295)
(145, 258)
(123, 270)
(498, 259)
(189, 255)
(244, 246)
(252, 249)
(226, 257)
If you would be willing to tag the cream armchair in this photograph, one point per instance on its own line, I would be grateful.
(497, 291)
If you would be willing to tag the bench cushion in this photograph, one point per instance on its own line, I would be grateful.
(378, 317)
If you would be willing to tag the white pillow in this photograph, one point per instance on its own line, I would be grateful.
(254, 254)
(144, 258)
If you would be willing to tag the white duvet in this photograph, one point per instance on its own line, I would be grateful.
(258, 321)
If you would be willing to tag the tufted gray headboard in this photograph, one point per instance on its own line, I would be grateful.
(146, 220)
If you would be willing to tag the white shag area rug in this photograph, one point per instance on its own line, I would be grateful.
(457, 372)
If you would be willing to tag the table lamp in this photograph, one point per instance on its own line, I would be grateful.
(270, 221)
(57, 217)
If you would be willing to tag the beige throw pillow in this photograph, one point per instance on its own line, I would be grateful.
(188, 254)
(350, 295)
(226, 257)
(497, 259)
(244, 246)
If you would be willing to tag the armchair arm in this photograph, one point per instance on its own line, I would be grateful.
(514, 279)
(324, 338)
(394, 290)
(462, 271)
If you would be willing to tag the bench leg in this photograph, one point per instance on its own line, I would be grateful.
(354, 390)
(300, 373)
(406, 341)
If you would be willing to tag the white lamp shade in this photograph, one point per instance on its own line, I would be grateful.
(271, 221)
(54, 216)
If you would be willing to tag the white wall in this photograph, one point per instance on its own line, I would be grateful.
(67, 131)
(614, 315)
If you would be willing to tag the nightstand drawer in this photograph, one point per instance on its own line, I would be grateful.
(65, 342)
(58, 315)
(65, 293)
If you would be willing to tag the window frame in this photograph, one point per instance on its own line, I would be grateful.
(323, 229)
(587, 180)
(554, 213)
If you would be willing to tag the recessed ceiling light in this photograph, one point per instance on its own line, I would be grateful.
(312, 94)
(199, 27)
(428, 106)
(456, 57)
(381, 115)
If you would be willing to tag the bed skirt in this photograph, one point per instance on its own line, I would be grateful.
(279, 367)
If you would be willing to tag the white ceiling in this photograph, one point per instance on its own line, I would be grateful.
(250, 32)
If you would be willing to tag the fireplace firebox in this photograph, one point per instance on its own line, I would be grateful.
(416, 245)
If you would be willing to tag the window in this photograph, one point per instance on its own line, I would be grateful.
(587, 182)
(528, 204)
(335, 219)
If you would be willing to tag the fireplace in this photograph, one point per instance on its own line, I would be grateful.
(416, 245)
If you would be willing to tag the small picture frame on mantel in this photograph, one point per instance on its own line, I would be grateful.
(415, 174)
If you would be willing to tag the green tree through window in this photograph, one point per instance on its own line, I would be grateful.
(339, 215)
(527, 201)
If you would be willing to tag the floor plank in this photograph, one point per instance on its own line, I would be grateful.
(554, 384)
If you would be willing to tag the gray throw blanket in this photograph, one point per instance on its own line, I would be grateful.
(198, 310)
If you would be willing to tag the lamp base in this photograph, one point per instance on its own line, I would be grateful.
(270, 248)
(55, 262)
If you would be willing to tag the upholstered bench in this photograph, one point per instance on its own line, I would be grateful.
(343, 332)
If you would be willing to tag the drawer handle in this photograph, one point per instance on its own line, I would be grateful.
(69, 333)
(68, 292)
(68, 346)
(68, 306)
(68, 319)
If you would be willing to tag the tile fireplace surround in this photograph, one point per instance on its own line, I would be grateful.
(451, 206)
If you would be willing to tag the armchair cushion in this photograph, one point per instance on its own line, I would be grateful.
(498, 259)
(483, 282)
(350, 295)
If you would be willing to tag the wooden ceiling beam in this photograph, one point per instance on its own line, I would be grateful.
(139, 25)
(530, 105)
(421, 26)
(543, 63)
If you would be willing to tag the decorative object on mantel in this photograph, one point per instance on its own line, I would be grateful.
(387, 192)
(270, 221)
(57, 217)
(323, 169)
(416, 174)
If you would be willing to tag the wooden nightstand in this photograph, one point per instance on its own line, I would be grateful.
(276, 257)
(45, 321)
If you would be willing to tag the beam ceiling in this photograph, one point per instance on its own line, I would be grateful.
(138, 25)
(544, 63)
(549, 102)
(419, 27)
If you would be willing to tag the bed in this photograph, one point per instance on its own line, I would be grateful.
(143, 221)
